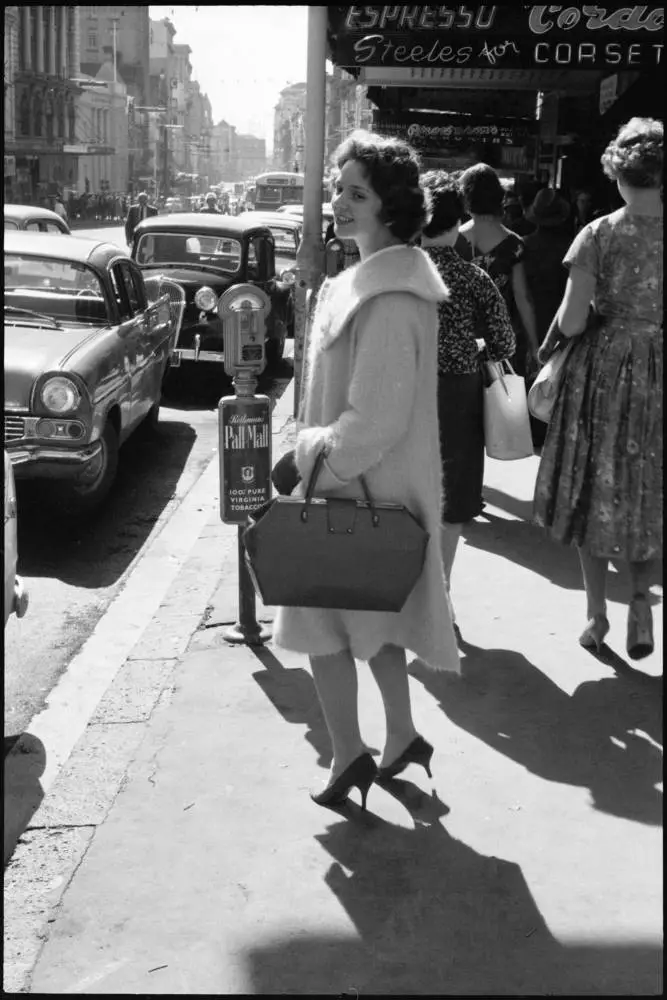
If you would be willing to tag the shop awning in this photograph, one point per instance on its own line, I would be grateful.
(522, 46)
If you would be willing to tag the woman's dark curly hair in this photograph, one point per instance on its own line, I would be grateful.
(392, 170)
(446, 202)
(482, 191)
(634, 157)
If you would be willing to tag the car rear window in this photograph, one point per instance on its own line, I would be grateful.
(62, 289)
(180, 248)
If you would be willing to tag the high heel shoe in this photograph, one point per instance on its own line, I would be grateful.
(640, 628)
(418, 752)
(361, 773)
(594, 634)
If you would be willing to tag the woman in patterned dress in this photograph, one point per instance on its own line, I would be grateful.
(499, 252)
(475, 305)
(599, 483)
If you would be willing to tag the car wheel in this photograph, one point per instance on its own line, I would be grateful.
(94, 485)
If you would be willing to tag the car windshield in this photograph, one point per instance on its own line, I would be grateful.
(179, 248)
(62, 290)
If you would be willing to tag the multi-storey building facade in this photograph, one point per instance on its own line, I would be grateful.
(121, 34)
(250, 156)
(43, 67)
(223, 153)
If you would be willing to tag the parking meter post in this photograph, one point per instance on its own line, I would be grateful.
(244, 438)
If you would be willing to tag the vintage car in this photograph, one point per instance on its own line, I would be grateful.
(16, 596)
(207, 254)
(296, 211)
(86, 350)
(34, 219)
(287, 231)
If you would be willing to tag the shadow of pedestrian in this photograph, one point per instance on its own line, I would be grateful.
(25, 761)
(292, 692)
(607, 736)
(433, 917)
(527, 544)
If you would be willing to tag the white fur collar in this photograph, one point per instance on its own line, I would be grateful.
(394, 269)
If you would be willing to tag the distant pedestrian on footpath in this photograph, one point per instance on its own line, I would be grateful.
(599, 483)
(211, 205)
(142, 210)
(371, 402)
(474, 309)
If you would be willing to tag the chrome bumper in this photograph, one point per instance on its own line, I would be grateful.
(31, 456)
(180, 354)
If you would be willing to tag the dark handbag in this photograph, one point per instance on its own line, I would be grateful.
(285, 474)
(313, 552)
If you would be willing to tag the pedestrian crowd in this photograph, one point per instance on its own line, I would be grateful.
(393, 406)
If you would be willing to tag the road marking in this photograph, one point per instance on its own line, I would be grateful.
(74, 698)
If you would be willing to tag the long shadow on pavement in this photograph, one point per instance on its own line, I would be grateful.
(528, 545)
(607, 736)
(434, 917)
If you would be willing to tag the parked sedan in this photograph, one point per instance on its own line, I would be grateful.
(16, 596)
(86, 351)
(207, 254)
(34, 219)
(287, 232)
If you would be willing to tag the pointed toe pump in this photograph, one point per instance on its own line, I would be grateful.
(361, 774)
(419, 751)
(594, 634)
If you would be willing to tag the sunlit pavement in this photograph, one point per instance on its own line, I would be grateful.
(530, 865)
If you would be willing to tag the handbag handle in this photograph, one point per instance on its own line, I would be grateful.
(312, 482)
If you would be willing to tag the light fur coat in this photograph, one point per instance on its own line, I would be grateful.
(371, 399)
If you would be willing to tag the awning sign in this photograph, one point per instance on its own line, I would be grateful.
(500, 36)
(431, 132)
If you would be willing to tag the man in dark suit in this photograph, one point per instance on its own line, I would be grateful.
(142, 210)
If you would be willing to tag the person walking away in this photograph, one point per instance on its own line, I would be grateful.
(500, 253)
(371, 402)
(137, 213)
(211, 205)
(59, 207)
(474, 304)
(546, 274)
(599, 482)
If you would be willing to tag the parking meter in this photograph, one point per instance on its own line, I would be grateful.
(244, 429)
(243, 310)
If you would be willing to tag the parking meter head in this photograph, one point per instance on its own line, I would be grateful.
(243, 310)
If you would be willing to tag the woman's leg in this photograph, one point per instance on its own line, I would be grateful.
(594, 570)
(336, 684)
(641, 577)
(390, 670)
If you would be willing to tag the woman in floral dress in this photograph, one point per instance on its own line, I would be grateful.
(599, 483)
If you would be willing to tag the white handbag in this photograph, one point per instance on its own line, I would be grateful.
(507, 433)
(543, 391)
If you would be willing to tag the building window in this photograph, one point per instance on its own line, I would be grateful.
(24, 115)
(71, 119)
(61, 119)
(37, 115)
(33, 37)
(92, 40)
(48, 114)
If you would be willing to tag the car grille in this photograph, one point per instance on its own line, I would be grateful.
(14, 427)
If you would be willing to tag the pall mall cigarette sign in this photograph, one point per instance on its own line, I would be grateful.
(500, 36)
(245, 456)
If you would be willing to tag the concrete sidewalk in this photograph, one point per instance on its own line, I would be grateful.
(530, 865)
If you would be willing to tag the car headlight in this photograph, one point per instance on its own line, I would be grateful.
(59, 395)
(206, 299)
